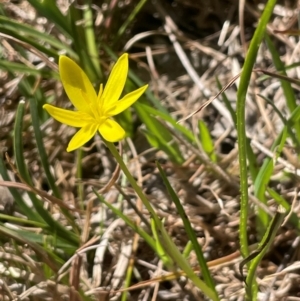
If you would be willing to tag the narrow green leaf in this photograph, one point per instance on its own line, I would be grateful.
(263, 178)
(241, 129)
(19, 157)
(160, 251)
(34, 38)
(188, 249)
(159, 136)
(257, 256)
(190, 232)
(40, 145)
(227, 102)
(177, 257)
(283, 119)
(21, 68)
(22, 221)
(24, 208)
(47, 257)
(206, 141)
(164, 238)
(293, 219)
(43, 215)
(44, 158)
(130, 18)
(149, 240)
(250, 155)
(286, 86)
(49, 9)
(188, 135)
(90, 36)
(265, 172)
(88, 63)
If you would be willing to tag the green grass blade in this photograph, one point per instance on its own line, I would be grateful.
(130, 18)
(159, 136)
(190, 232)
(250, 155)
(44, 158)
(286, 86)
(263, 178)
(21, 68)
(177, 257)
(149, 240)
(127, 281)
(206, 141)
(25, 41)
(40, 146)
(160, 251)
(80, 44)
(19, 157)
(257, 256)
(293, 219)
(227, 102)
(164, 238)
(188, 135)
(241, 128)
(188, 249)
(58, 247)
(18, 145)
(49, 9)
(33, 37)
(80, 189)
(92, 48)
(47, 257)
(25, 209)
(22, 221)
(283, 119)
(267, 168)
(43, 215)
(132, 182)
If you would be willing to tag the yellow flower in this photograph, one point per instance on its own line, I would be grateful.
(93, 112)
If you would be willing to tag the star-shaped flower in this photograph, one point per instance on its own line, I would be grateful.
(94, 111)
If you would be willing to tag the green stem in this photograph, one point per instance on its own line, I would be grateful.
(257, 256)
(163, 239)
(79, 157)
(130, 19)
(90, 38)
(241, 129)
(132, 181)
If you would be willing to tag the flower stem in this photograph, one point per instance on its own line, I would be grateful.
(132, 181)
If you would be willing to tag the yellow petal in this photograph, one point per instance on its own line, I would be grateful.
(71, 118)
(125, 102)
(116, 82)
(82, 136)
(111, 131)
(100, 94)
(75, 80)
